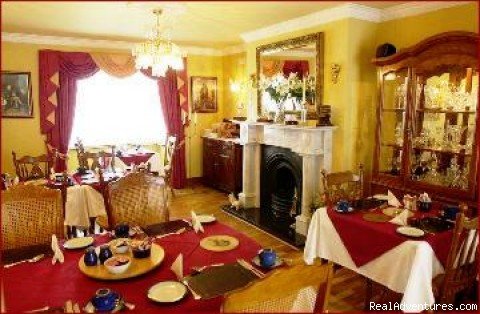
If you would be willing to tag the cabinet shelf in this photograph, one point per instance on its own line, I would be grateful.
(443, 151)
(430, 110)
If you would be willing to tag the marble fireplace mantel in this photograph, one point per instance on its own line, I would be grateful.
(313, 144)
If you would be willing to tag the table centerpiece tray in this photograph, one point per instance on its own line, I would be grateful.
(138, 267)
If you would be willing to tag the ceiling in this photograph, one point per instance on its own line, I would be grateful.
(208, 24)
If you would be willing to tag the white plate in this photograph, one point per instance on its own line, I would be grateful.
(381, 197)
(411, 232)
(167, 292)
(78, 243)
(205, 219)
(350, 209)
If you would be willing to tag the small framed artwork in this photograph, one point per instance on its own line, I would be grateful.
(16, 95)
(204, 94)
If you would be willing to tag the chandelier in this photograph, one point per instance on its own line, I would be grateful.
(158, 52)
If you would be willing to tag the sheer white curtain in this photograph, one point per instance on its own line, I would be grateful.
(117, 111)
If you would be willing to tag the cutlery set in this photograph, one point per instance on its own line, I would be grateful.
(68, 307)
(30, 260)
(250, 267)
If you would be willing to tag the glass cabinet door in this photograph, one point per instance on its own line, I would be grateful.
(443, 128)
(392, 121)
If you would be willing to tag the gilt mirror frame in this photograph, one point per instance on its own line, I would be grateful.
(297, 42)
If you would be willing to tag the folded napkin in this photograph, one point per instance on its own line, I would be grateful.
(52, 174)
(177, 267)
(16, 181)
(57, 253)
(401, 219)
(393, 200)
(197, 226)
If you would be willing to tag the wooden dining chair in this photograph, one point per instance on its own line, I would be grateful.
(461, 269)
(343, 185)
(30, 215)
(297, 288)
(32, 168)
(169, 154)
(139, 198)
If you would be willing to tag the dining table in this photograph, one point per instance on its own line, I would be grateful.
(30, 286)
(137, 157)
(377, 251)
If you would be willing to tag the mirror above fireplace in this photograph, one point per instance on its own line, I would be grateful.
(290, 74)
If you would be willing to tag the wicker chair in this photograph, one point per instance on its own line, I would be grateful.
(30, 215)
(343, 185)
(463, 251)
(298, 288)
(32, 168)
(138, 198)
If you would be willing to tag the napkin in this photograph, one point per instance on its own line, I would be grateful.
(401, 219)
(16, 181)
(52, 174)
(57, 253)
(177, 267)
(197, 226)
(393, 200)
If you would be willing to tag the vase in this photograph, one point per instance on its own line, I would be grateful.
(279, 116)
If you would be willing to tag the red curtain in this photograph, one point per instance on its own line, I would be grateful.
(296, 66)
(59, 72)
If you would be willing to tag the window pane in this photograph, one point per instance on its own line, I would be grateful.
(118, 111)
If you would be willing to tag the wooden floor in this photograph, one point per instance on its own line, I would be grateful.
(348, 289)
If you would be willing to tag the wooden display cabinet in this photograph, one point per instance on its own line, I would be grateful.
(428, 122)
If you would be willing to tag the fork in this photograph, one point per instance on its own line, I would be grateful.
(30, 260)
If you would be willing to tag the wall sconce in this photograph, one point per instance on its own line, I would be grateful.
(235, 86)
(335, 68)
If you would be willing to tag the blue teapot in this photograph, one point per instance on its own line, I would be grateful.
(267, 257)
(105, 299)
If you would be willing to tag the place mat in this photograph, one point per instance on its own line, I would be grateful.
(166, 227)
(216, 281)
(219, 243)
(20, 254)
(376, 217)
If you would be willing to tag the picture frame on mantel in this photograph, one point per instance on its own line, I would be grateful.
(16, 94)
(204, 94)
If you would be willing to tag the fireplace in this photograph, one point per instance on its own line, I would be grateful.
(280, 188)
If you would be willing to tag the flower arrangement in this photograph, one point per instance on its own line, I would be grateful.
(281, 88)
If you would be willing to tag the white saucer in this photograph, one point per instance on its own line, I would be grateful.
(278, 262)
(350, 209)
(205, 219)
(167, 292)
(78, 243)
(411, 232)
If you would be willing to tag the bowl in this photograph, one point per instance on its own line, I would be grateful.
(118, 264)
(120, 246)
(141, 249)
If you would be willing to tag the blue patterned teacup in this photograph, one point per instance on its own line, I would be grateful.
(267, 257)
(104, 299)
(343, 206)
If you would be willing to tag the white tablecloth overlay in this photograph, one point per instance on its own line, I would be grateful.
(83, 202)
(154, 160)
(407, 268)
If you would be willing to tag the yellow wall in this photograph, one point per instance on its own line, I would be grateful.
(410, 30)
(234, 70)
(23, 135)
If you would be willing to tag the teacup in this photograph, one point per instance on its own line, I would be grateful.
(450, 212)
(424, 206)
(104, 299)
(343, 206)
(267, 258)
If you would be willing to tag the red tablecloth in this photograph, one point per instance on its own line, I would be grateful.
(366, 240)
(136, 159)
(32, 286)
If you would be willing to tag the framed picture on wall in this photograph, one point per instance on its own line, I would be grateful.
(204, 94)
(16, 95)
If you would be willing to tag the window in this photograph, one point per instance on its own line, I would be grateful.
(118, 111)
